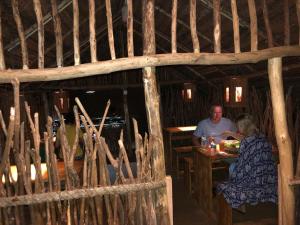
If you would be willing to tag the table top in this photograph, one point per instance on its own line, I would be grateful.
(214, 154)
(180, 129)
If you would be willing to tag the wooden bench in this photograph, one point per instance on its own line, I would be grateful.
(180, 152)
(188, 173)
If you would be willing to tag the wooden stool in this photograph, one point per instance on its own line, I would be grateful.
(188, 173)
(178, 154)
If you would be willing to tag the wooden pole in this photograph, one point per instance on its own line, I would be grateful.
(267, 24)
(217, 25)
(130, 47)
(152, 111)
(174, 26)
(193, 26)
(298, 16)
(283, 140)
(286, 24)
(253, 24)
(2, 58)
(58, 34)
(41, 35)
(236, 26)
(93, 42)
(76, 32)
(110, 30)
(20, 28)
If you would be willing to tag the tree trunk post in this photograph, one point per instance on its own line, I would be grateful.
(152, 111)
(283, 141)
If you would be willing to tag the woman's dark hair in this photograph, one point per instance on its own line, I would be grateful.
(246, 124)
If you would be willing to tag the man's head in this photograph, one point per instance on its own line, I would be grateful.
(216, 113)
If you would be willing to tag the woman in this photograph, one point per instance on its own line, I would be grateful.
(253, 178)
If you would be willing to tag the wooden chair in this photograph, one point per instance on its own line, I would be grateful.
(188, 173)
(180, 152)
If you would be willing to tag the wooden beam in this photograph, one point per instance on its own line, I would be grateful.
(33, 29)
(76, 42)
(58, 34)
(109, 66)
(2, 58)
(110, 32)
(283, 141)
(41, 34)
(236, 27)
(130, 46)
(20, 28)
(228, 15)
(267, 23)
(253, 24)
(92, 22)
(193, 26)
(174, 26)
(217, 25)
(298, 16)
(286, 24)
(182, 23)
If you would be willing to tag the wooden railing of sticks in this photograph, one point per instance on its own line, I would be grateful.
(95, 67)
(85, 198)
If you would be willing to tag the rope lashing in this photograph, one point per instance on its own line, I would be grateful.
(78, 193)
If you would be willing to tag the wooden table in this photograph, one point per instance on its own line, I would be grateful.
(203, 169)
(175, 133)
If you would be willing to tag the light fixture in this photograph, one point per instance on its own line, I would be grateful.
(90, 92)
(235, 91)
(62, 101)
(188, 92)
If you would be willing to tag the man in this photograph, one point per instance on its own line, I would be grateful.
(213, 128)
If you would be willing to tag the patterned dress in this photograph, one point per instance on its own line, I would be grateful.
(254, 177)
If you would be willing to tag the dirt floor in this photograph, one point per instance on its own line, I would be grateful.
(187, 212)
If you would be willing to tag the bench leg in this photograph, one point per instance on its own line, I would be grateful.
(224, 211)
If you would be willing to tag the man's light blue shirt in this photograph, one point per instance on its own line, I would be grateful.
(206, 128)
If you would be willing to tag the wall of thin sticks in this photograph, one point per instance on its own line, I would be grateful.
(35, 178)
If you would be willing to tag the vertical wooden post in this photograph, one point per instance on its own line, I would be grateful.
(58, 34)
(236, 26)
(2, 59)
(253, 24)
(20, 28)
(130, 47)
(286, 24)
(41, 34)
(92, 21)
(76, 32)
(283, 140)
(267, 24)
(110, 29)
(193, 26)
(217, 25)
(298, 15)
(152, 110)
(174, 26)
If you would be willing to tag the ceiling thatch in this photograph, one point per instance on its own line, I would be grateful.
(172, 74)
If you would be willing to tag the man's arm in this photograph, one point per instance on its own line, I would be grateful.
(196, 141)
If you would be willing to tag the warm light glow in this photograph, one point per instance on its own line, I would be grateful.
(227, 94)
(14, 172)
(189, 93)
(238, 94)
(190, 128)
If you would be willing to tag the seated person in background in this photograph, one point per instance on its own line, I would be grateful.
(70, 134)
(213, 127)
(253, 179)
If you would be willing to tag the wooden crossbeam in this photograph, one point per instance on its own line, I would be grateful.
(109, 66)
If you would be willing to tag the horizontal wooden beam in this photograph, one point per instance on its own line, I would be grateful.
(138, 62)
